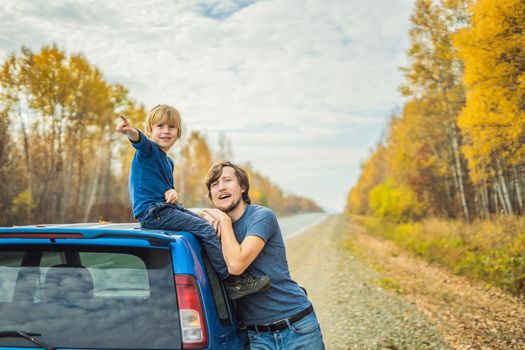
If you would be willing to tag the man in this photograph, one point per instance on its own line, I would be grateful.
(280, 317)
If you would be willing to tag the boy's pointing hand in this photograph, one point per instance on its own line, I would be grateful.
(125, 128)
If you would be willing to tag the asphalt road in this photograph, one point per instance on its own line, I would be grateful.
(296, 224)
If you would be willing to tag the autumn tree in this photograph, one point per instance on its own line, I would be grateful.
(373, 172)
(418, 157)
(224, 148)
(192, 165)
(62, 111)
(264, 192)
(466, 104)
(15, 202)
(60, 158)
(493, 120)
(434, 77)
(394, 202)
(195, 157)
(420, 152)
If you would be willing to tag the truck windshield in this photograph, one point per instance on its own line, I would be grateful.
(89, 296)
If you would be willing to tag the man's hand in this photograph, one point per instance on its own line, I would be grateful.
(218, 215)
(237, 256)
(212, 216)
(171, 196)
(125, 128)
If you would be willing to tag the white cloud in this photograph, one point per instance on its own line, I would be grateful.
(271, 74)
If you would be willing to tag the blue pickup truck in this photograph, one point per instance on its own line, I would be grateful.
(110, 286)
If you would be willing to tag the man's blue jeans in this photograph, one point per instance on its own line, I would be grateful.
(304, 334)
(165, 216)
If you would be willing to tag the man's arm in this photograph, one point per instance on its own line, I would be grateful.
(237, 256)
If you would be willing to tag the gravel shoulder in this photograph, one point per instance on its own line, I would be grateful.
(354, 311)
(370, 295)
(469, 314)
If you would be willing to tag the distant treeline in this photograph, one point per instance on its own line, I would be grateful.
(457, 149)
(62, 161)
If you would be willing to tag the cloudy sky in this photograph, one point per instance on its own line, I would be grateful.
(302, 88)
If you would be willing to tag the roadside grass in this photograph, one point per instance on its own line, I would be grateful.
(489, 250)
(390, 283)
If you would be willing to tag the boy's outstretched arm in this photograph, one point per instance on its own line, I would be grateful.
(125, 128)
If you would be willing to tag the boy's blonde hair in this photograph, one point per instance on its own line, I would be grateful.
(164, 114)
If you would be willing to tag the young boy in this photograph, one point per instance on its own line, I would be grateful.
(155, 201)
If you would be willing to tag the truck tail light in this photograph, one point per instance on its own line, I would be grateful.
(192, 319)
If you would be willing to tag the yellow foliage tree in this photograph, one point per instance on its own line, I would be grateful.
(63, 112)
(62, 161)
(493, 51)
(372, 173)
(193, 163)
(418, 157)
(394, 202)
(434, 76)
(264, 192)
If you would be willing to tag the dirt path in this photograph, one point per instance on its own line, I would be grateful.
(407, 305)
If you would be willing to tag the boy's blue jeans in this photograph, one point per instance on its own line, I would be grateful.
(166, 216)
(304, 334)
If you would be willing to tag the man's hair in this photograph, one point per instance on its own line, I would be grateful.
(215, 173)
(163, 114)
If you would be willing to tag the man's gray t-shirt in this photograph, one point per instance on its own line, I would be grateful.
(285, 298)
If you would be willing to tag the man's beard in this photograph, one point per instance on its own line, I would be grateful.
(232, 206)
